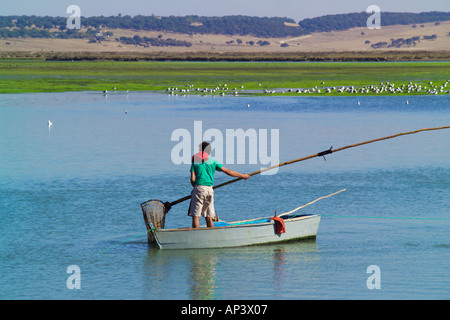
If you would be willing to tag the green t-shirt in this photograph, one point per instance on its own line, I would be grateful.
(204, 172)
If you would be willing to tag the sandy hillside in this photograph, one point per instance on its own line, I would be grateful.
(356, 39)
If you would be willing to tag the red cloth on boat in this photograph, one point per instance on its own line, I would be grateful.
(200, 157)
(279, 225)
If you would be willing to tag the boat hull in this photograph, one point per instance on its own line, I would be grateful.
(237, 234)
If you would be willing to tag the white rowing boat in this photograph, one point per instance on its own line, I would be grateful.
(288, 226)
(240, 233)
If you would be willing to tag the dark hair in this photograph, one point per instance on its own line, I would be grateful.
(205, 146)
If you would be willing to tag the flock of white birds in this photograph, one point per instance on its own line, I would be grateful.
(382, 88)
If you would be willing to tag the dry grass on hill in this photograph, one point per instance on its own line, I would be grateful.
(356, 39)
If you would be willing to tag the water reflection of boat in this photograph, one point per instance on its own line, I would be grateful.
(216, 273)
(239, 233)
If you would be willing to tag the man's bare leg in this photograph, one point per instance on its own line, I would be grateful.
(195, 222)
(209, 222)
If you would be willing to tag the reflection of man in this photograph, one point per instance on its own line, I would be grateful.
(202, 179)
(203, 270)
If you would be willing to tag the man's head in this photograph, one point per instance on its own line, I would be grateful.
(205, 146)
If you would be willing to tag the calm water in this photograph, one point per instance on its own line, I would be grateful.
(70, 195)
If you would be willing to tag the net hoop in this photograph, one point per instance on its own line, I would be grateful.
(154, 213)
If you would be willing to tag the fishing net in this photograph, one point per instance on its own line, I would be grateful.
(154, 215)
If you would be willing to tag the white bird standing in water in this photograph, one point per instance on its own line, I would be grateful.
(248, 106)
(50, 123)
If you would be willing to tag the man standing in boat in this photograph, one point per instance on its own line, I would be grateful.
(202, 179)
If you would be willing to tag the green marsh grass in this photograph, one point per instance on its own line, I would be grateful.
(59, 76)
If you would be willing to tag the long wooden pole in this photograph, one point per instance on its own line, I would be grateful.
(320, 154)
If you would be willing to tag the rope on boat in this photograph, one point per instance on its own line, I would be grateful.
(305, 205)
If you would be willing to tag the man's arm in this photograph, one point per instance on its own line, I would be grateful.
(235, 174)
(192, 178)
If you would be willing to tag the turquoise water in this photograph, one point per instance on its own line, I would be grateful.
(70, 195)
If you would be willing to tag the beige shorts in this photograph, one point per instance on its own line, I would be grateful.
(202, 202)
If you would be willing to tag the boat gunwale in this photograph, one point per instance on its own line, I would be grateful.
(260, 224)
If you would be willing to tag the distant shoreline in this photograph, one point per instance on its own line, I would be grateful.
(340, 56)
